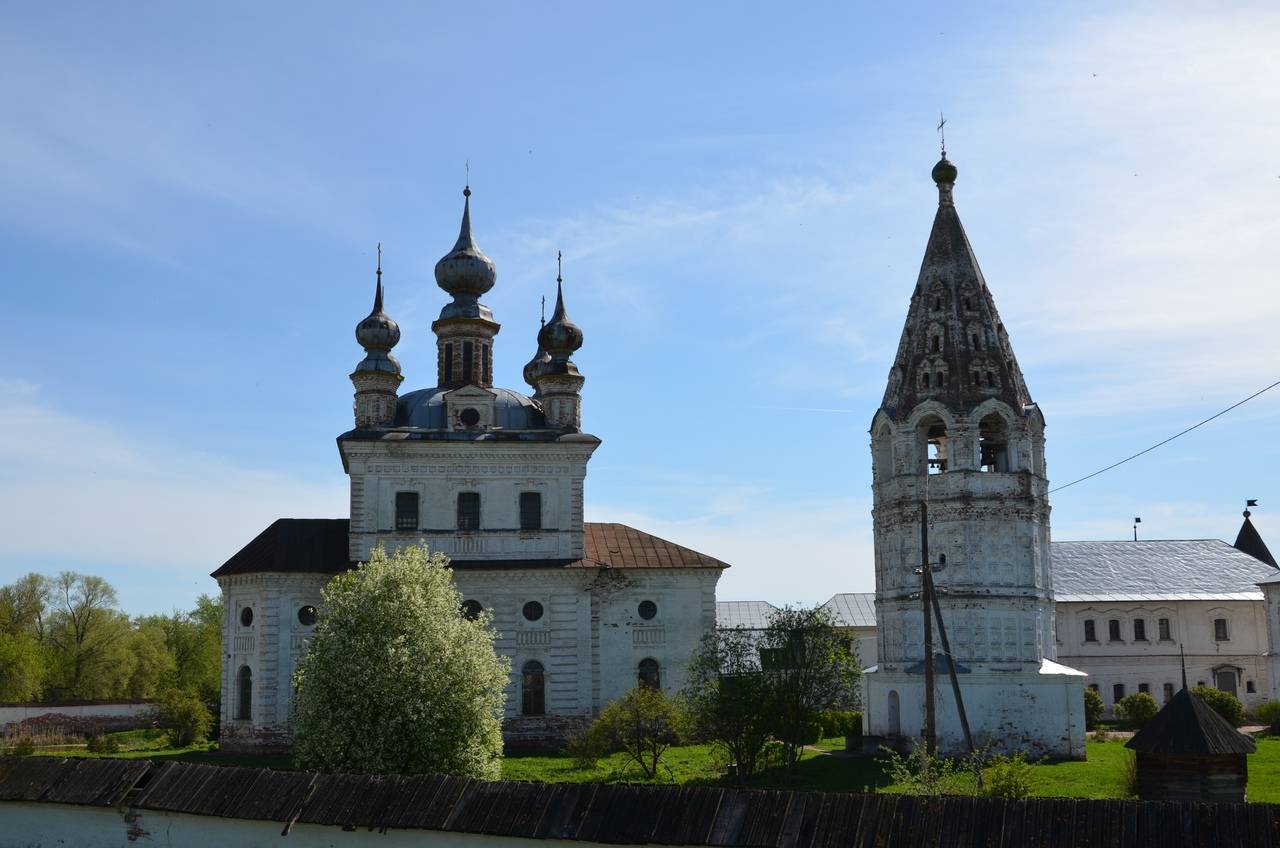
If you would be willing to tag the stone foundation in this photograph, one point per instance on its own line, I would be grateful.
(542, 733)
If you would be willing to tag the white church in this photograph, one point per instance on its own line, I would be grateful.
(494, 478)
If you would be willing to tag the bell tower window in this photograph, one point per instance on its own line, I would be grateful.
(993, 444)
(468, 351)
(448, 363)
(933, 437)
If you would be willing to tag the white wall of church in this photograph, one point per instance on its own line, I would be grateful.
(498, 471)
(1131, 662)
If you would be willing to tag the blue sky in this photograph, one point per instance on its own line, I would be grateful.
(193, 196)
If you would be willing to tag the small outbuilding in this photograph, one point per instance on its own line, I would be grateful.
(1188, 752)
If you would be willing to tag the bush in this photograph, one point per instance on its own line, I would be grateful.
(585, 749)
(1223, 703)
(1007, 777)
(23, 746)
(102, 744)
(1269, 714)
(1136, 709)
(643, 724)
(841, 723)
(920, 774)
(807, 734)
(1093, 708)
(184, 716)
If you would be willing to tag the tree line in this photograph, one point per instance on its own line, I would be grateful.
(64, 638)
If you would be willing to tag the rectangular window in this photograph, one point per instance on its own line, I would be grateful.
(1117, 693)
(1090, 631)
(468, 510)
(1139, 630)
(1248, 687)
(1144, 687)
(468, 351)
(530, 511)
(1168, 692)
(485, 364)
(1113, 630)
(1220, 630)
(1164, 630)
(406, 510)
(448, 363)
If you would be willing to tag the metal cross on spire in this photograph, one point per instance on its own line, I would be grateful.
(543, 321)
(942, 133)
(379, 261)
(559, 256)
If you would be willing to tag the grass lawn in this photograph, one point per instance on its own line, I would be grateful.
(822, 767)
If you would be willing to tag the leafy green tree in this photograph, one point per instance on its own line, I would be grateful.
(1223, 703)
(88, 639)
(727, 697)
(152, 664)
(1093, 708)
(22, 667)
(395, 680)
(810, 670)
(1269, 714)
(643, 724)
(1136, 709)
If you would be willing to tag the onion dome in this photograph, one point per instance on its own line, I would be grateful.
(377, 334)
(465, 272)
(560, 337)
(536, 367)
(944, 171)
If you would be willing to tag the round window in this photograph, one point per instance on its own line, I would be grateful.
(647, 610)
(307, 615)
(470, 416)
(246, 616)
(532, 611)
(471, 610)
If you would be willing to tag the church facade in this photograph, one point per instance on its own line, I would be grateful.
(495, 479)
(958, 435)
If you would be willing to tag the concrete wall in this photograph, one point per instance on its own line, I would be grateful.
(28, 825)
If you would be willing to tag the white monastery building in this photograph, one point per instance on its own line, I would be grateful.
(494, 479)
(957, 429)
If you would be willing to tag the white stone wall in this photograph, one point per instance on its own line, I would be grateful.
(499, 471)
(270, 646)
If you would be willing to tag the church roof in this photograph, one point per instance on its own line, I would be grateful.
(1250, 541)
(853, 609)
(953, 330)
(320, 545)
(751, 615)
(1187, 725)
(1192, 569)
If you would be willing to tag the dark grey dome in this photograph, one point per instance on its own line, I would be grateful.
(465, 272)
(425, 408)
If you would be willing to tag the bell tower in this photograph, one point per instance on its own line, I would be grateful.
(957, 430)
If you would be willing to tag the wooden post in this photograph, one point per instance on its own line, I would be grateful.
(930, 719)
(951, 662)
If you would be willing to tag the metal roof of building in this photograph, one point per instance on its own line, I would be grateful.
(1187, 725)
(639, 815)
(853, 609)
(1192, 569)
(753, 615)
(319, 545)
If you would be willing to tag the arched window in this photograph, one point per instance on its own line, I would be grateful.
(532, 689)
(649, 674)
(895, 716)
(244, 694)
(993, 443)
(932, 434)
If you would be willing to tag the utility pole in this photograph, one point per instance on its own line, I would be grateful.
(951, 659)
(930, 717)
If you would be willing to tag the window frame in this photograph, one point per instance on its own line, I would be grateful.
(408, 511)
(1090, 630)
(1164, 629)
(468, 520)
(1221, 630)
(1139, 630)
(533, 688)
(530, 516)
(1117, 693)
(649, 673)
(244, 694)
(1114, 633)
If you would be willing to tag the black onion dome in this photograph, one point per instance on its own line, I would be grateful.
(560, 335)
(944, 171)
(536, 367)
(465, 271)
(377, 334)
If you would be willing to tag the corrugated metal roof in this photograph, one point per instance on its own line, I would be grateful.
(1206, 568)
(637, 815)
(753, 615)
(853, 609)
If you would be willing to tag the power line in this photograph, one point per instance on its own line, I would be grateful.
(1166, 441)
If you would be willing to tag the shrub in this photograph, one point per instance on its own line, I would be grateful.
(102, 744)
(1093, 708)
(585, 749)
(1008, 777)
(23, 746)
(841, 723)
(1269, 714)
(1137, 709)
(798, 736)
(184, 716)
(920, 774)
(1223, 703)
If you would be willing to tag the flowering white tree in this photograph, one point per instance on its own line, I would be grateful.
(396, 680)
